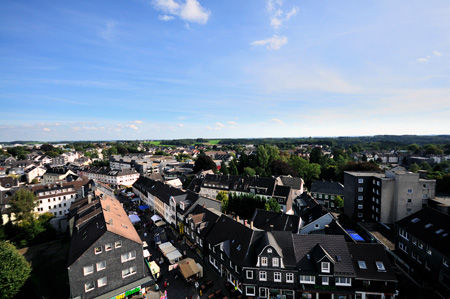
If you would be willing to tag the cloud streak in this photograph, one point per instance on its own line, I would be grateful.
(273, 43)
(190, 10)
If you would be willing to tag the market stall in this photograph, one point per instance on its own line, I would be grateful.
(174, 256)
(189, 269)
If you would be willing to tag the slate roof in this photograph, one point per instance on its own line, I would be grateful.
(335, 246)
(293, 182)
(273, 221)
(239, 240)
(371, 253)
(328, 187)
(195, 185)
(103, 215)
(430, 226)
(12, 182)
(312, 214)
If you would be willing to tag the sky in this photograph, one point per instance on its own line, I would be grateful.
(171, 69)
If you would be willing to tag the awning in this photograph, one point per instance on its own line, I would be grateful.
(166, 248)
(135, 199)
(160, 223)
(144, 207)
(156, 218)
(174, 256)
(134, 218)
(188, 267)
(146, 253)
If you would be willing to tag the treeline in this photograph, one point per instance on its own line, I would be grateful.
(244, 205)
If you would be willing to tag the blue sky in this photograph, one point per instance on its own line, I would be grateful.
(167, 69)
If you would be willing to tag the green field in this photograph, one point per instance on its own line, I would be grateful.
(154, 142)
(214, 141)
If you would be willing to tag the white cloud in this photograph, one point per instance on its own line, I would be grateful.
(180, 125)
(220, 125)
(278, 121)
(436, 53)
(133, 127)
(232, 123)
(422, 59)
(189, 11)
(275, 42)
(46, 129)
(137, 122)
(276, 14)
(166, 18)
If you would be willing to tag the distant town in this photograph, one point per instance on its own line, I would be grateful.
(284, 218)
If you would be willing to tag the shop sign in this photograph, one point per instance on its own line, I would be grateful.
(128, 293)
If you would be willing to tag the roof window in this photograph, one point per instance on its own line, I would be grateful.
(380, 267)
(428, 225)
(362, 265)
(415, 220)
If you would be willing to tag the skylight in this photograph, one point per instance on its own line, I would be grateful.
(439, 231)
(415, 220)
(428, 225)
(380, 266)
(362, 265)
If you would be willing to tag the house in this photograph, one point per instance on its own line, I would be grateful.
(34, 172)
(422, 243)
(55, 174)
(273, 221)
(385, 197)
(326, 191)
(113, 177)
(106, 253)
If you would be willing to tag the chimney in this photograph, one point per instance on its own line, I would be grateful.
(327, 229)
(89, 198)
(110, 222)
(237, 218)
(251, 224)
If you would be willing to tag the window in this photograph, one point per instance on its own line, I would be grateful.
(360, 189)
(101, 265)
(425, 186)
(262, 275)
(360, 181)
(289, 277)
(102, 282)
(409, 200)
(343, 281)
(360, 198)
(118, 244)
(380, 266)
(307, 279)
(88, 270)
(275, 262)
(129, 271)
(429, 250)
(98, 249)
(263, 292)
(325, 267)
(362, 265)
(277, 276)
(249, 274)
(325, 280)
(360, 215)
(445, 261)
(128, 256)
(269, 250)
(264, 261)
(108, 247)
(410, 191)
(250, 290)
(89, 286)
(360, 207)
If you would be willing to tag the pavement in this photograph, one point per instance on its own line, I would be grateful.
(178, 288)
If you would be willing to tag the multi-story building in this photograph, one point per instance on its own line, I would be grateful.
(326, 191)
(56, 174)
(57, 198)
(113, 177)
(106, 253)
(423, 245)
(385, 197)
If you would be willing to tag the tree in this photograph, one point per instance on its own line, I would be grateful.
(221, 196)
(364, 158)
(425, 166)
(316, 155)
(249, 171)
(232, 169)
(414, 167)
(273, 205)
(14, 270)
(204, 162)
(279, 167)
(47, 147)
(223, 168)
(339, 202)
(23, 204)
(262, 157)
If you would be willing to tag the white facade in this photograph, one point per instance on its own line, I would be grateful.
(56, 200)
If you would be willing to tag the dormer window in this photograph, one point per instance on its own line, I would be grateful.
(263, 261)
(380, 267)
(269, 250)
(325, 267)
(275, 262)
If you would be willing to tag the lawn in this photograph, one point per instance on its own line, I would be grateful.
(214, 141)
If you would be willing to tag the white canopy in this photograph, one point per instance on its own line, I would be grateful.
(166, 249)
(156, 218)
(134, 218)
(174, 256)
(146, 253)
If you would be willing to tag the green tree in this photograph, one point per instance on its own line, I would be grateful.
(339, 202)
(223, 168)
(204, 162)
(273, 205)
(262, 157)
(425, 166)
(316, 155)
(414, 167)
(23, 204)
(232, 169)
(221, 196)
(14, 270)
(249, 171)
